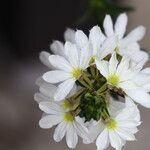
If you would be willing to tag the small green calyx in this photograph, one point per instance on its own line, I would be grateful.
(113, 79)
(76, 73)
(112, 124)
(92, 106)
(68, 117)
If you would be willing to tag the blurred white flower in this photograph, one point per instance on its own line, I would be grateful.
(129, 79)
(127, 46)
(47, 91)
(57, 48)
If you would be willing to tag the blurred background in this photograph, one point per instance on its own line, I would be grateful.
(28, 27)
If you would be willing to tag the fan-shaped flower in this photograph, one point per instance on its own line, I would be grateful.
(68, 70)
(67, 123)
(129, 79)
(119, 129)
(127, 46)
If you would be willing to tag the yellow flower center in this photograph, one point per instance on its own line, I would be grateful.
(66, 104)
(111, 125)
(68, 117)
(76, 72)
(113, 79)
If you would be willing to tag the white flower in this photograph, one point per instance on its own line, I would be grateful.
(68, 70)
(114, 107)
(97, 43)
(67, 124)
(119, 129)
(127, 46)
(100, 45)
(129, 79)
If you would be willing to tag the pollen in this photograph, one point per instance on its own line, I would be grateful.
(113, 79)
(68, 117)
(76, 73)
(112, 124)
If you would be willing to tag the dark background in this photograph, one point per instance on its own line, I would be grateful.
(26, 28)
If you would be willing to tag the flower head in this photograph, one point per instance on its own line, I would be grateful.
(126, 46)
(125, 77)
(92, 83)
(67, 123)
(119, 129)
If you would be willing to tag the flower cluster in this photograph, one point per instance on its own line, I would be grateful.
(93, 84)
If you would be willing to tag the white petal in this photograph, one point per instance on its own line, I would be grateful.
(40, 97)
(126, 135)
(132, 130)
(57, 48)
(147, 87)
(44, 57)
(139, 96)
(73, 91)
(113, 63)
(127, 85)
(130, 47)
(130, 112)
(60, 62)
(71, 136)
(64, 89)
(115, 107)
(133, 52)
(138, 56)
(115, 140)
(96, 38)
(69, 35)
(95, 130)
(129, 102)
(81, 130)
(146, 71)
(108, 47)
(60, 131)
(49, 121)
(56, 76)
(108, 26)
(128, 124)
(142, 79)
(102, 66)
(123, 66)
(81, 40)
(48, 89)
(85, 56)
(51, 108)
(72, 54)
(134, 36)
(120, 26)
(102, 141)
